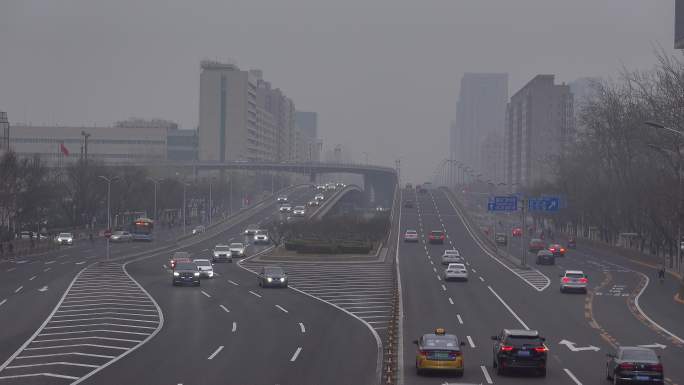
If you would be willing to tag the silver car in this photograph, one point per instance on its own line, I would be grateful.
(285, 208)
(299, 211)
(452, 256)
(261, 237)
(237, 250)
(456, 271)
(573, 280)
(222, 253)
(121, 236)
(65, 239)
(205, 268)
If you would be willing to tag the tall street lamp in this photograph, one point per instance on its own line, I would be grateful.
(156, 182)
(109, 181)
(679, 183)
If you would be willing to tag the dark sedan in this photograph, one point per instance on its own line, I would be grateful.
(185, 273)
(634, 365)
(519, 349)
(272, 276)
(545, 257)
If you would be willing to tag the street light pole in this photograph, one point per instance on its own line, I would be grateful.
(156, 185)
(109, 211)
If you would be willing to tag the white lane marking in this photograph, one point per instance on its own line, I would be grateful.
(302, 328)
(439, 278)
(3, 301)
(443, 287)
(434, 269)
(572, 376)
(636, 303)
(282, 308)
(205, 294)
(80, 263)
(460, 320)
(470, 341)
(296, 354)
(41, 374)
(43, 289)
(164, 267)
(481, 279)
(488, 378)
(11, 269)
(508, 308)
(474, 271)
(18, 289)
(50, 262)
(253, 293)
(217, 351)
(32, 278)
(451, 301)
(432, 263)
(204, 249)
(224, 308)
(46, 269)
(234, 283)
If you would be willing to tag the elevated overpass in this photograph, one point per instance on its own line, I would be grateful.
(330, 203)
(378, 182)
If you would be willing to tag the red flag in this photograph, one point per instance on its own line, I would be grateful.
(63, 149)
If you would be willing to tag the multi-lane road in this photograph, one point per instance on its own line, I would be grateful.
(70, 317)
(499, 296)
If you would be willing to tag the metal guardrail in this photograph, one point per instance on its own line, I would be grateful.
(391, 353)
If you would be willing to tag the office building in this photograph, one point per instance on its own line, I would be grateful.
(540, 121)
(4, 133)
(307, 124)
(480, 114)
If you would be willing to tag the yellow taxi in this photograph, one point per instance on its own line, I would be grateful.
(439, 351)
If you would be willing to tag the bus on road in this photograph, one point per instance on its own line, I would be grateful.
(141, 229)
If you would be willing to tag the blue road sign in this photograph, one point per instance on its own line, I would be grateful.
(548, 204)
(503, 203)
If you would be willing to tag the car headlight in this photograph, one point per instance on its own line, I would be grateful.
(175, 274)
(269, 279)
(211, 273)
(197, 274)
(282, 279)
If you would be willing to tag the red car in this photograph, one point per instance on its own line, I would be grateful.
(436, 236)
(517, 232)
(536, 245)
(557, 250)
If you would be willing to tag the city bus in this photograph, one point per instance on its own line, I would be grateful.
(141, 229)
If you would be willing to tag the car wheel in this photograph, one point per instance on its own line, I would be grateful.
(562, 290)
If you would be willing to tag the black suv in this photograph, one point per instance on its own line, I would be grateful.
(519, 349)
(186, 273)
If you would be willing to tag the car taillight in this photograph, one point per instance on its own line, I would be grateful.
(626, 366)
(422, 353)
(562, 250)
(541, 349)
(566, 279)
(655, 367)
(552, 249)
(506, 348)
(583, 280)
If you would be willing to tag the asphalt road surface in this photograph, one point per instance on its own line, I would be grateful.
(496, 297)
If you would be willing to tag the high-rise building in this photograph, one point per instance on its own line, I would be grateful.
(307, 124)
(282, 111)
(480, 116)
(540, 121)
(227, 113)
(4, 133)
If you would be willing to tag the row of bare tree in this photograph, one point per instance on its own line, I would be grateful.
(621, 174)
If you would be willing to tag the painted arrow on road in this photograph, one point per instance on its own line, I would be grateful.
(654, 346)
(42, 289)
(573, 348)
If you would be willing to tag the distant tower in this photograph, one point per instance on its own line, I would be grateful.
(4, 133)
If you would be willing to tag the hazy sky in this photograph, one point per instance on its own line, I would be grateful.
(383, 75)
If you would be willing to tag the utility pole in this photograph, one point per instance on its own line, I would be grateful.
(156, 185)
(523, 231)
(85, 145)
(109, 211)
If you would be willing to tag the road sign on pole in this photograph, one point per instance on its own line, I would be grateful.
(546, 204)
(503, 203)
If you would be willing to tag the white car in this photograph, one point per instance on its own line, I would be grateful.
(237, 250)
(251, 229)
(411, 236)
(261, 237)
(285, 208)
(65, 239)
(452, 256)
(456, 271)
(121, 236)
(282, 199)
(573, 280)
(319, 197)
(222, 253)
(298, 211)
(206, 268)
(198, 230)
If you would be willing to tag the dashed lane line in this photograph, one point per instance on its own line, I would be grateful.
(32, 278)
(234, 327)
(572, 376)
(3, 301)
(487, 377)
(224, 308)
(18, 289)
(282, 308)
(256, 294)
(451, 301)
(216, 352)
(470, 341)
(460, 320)
(205, 294)
(296, 354)
(302, 328)
(234, 283)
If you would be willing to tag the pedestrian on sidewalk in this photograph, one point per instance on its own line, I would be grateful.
(661, 273)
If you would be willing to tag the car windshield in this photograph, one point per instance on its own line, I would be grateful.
(436, 233)
(440, 342)
(299, 208)
(639, 355)
(523, 340)
(65, 235)
(221, 248)
(451, 252)
(186, 266)
(261, 232)
(574, 275)
(536, 240)
(273, 271)
(456, 266)
(236, 245)
(202, 262)
(411, 232)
